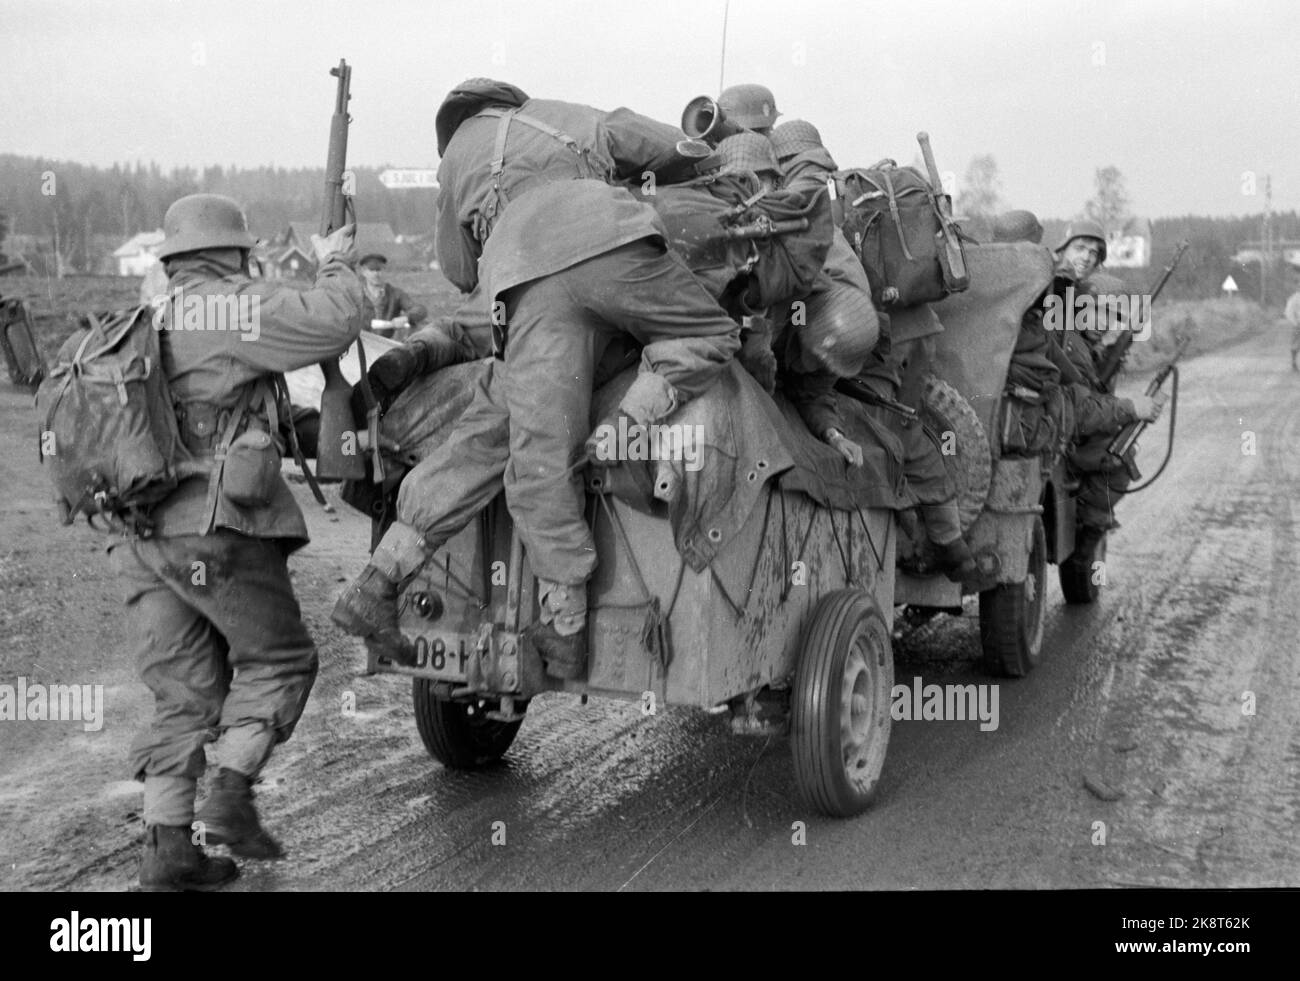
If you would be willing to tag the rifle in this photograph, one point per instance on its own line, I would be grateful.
(1113, 359)
(336, 422)
(855, 389)
(952, 260)
(1123, 445)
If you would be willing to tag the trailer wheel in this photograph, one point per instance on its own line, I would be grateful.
(840, 723)
(1078, 582)
(1011, 616)
(454, 735)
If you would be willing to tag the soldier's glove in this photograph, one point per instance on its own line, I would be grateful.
(848, 449)
(756, 356)
(340, 241)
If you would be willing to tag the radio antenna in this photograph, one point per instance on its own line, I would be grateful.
(722, 61)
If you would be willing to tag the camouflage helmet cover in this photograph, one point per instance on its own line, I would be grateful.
(748, 152)
(793, 137)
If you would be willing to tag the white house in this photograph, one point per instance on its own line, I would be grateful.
(135, 257)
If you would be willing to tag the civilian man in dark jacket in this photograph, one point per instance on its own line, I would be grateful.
(388, 302)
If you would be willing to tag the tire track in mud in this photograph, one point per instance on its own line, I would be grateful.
(1195, 772)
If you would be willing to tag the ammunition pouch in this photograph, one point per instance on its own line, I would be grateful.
(1033, 422)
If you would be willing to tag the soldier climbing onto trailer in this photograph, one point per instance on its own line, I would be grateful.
(570, 261)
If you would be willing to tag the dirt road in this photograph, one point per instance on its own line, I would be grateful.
(1146, 697)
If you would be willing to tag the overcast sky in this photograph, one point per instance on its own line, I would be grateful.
(1184, 96)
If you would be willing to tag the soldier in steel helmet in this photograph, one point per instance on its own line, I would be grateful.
(875, 347)
(222, 643)
(1098, 415)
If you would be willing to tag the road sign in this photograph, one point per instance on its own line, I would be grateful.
(1229, 285)
(411, 177)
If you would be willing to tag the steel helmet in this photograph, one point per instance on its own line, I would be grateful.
(750, 152)
(1086, 228)
(795, 136)
(1017, 226)
(204, 221)
(750, 106)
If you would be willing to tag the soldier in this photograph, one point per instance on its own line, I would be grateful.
(893, 345)
(223, 645)
(390, 302)
(1098, 415)
(570, 262)
(831, 332)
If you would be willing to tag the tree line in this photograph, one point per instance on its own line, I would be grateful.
(88, 211)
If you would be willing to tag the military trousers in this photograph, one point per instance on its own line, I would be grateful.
(528, 425)
(222, 646)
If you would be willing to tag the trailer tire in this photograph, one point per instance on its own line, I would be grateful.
(455, 736)
(840, 723)
(1012, 616)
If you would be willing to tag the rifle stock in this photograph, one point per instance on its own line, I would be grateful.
(1123, 444)
(337, 429)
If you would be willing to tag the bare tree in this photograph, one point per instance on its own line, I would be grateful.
(1109, 206)
(979, 195)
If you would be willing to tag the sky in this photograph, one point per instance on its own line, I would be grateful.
(1195, 101)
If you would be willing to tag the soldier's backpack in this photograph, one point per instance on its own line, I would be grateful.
(891, 216)
(109, 432)
(735, 236)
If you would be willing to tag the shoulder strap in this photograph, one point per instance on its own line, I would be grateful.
(495, 198)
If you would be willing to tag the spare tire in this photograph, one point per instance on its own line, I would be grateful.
(970, 465)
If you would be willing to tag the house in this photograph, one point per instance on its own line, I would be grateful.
(1287, 249)
(280, 261)
(135, 256)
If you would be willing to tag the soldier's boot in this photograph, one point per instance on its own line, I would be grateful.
(172, 862)
(229, 817)
(368, 606)
(1086, 541)
(560, 635)
(957, 561)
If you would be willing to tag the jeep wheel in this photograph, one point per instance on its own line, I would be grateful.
(1011, 616)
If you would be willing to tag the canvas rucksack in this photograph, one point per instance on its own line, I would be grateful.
(731, 233)
(109, 432)
(891, 216)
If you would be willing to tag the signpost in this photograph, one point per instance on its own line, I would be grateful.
(1230, 287)
(410, 177)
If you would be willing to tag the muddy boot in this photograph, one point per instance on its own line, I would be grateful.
(956, 560)
(229, 818)
(368, 608)
(565, 656)
(172, 862)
